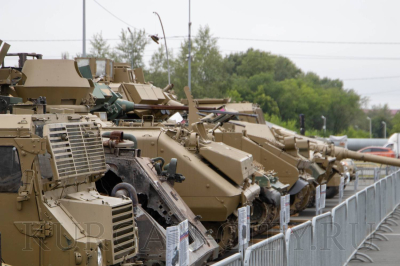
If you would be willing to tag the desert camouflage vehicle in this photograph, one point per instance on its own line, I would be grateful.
(54, 214)
(50, 164)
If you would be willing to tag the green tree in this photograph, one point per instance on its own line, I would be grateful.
(395, 124)
(157, 73)
(208, 75)
(131, 47)
(99, 47)
(378, 114)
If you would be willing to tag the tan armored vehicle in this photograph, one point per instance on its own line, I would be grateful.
(54, 214)
(151, 182)
(49, 167)
(130, 84)
(324, 169)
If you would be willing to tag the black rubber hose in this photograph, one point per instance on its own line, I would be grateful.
(126, 136)
(159, 159)
(131, 191)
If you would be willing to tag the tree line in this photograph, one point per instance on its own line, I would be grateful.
(274, 82)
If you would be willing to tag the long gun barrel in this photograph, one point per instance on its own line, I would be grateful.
(342, 153)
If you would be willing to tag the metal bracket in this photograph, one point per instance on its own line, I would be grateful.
(35, 229)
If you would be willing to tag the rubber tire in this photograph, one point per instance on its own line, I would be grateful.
(331, 192)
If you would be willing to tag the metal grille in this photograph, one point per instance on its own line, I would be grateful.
(77, 149)
(123, 232)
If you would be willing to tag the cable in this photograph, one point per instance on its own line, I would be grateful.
(114, 15)
(230, 39)
(392, 77)
(312, 42)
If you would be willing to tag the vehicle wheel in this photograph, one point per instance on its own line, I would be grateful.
(331, 192)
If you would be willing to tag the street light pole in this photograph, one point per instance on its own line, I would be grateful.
(384, 129)
(190, 56)
(324, 127)
(370, 127)
(166, 48)
(84, 30)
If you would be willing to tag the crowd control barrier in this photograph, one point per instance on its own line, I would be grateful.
(333, 238)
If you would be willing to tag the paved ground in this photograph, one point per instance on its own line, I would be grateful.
(389, 253)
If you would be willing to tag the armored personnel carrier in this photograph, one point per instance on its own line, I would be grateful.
(50, 164)
(55, 215)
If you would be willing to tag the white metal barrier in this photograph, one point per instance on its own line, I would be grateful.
(339, 240)
(234, 260)
(299, 244)
(269, 252)
(332, 238)
(321, 244)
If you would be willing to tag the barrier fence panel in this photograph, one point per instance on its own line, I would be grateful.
(234, 260)
(377, 202)
(332, 238)
(397, 184)
(321, 244)
(371, 218)
(269, 252)
(339, 220)
(391, 191)
(298, 244)
(383, 198)
(351, 226)
(361, 216)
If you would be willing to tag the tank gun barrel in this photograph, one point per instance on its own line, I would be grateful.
(342, 153)
(168, 107)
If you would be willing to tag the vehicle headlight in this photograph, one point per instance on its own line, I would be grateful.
(99, 257)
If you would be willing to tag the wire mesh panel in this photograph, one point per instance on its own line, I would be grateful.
(234, 260)
(339, 222)
(322, 239)
(298, 243)
(271, 251)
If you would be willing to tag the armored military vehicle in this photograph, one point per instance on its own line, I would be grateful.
(324, 169)
(150, 183)
(54, 214)
(49, 167)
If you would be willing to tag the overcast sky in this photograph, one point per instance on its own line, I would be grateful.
(355, 41)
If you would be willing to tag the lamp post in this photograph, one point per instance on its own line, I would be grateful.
(370, 127)
(324, 127)
(84, 30)
(190, 56)
(384, 129)
(155, 38)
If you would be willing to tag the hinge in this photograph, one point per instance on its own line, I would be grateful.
(26, 189)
